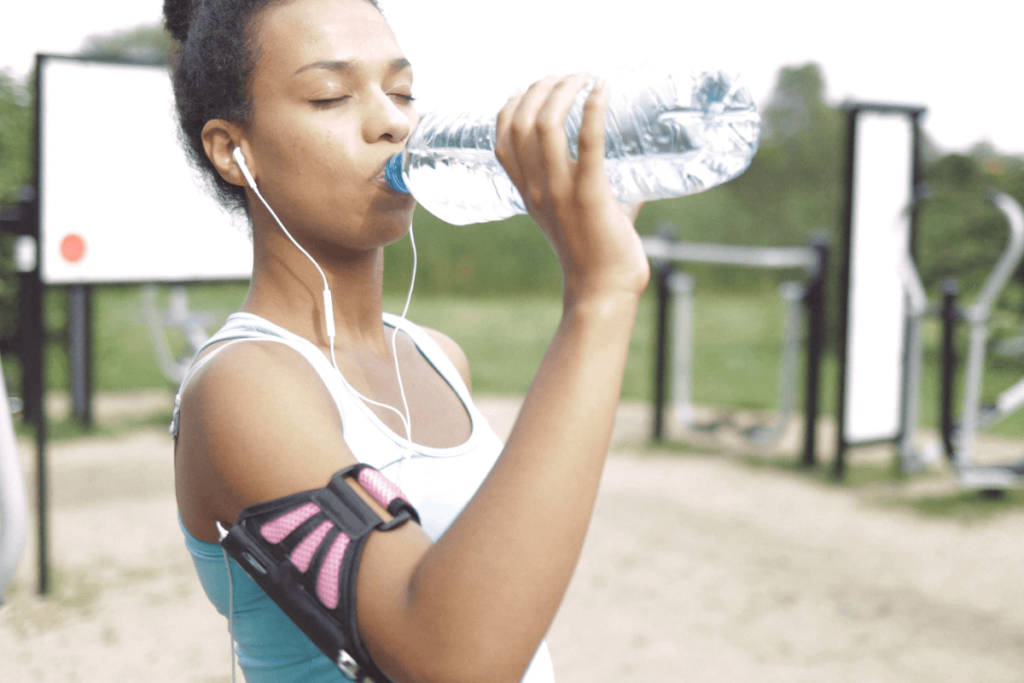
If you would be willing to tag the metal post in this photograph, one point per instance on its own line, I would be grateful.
(681, 286)
(815, 302)
(950, 316)
(33, 356)
(664, 272)
(839, 464)
(80, 343)
(34, 352)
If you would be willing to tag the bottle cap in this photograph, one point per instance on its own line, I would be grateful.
(393, 174)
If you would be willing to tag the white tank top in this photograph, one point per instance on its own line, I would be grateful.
(439, 482)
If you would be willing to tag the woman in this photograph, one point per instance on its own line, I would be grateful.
(315, 96)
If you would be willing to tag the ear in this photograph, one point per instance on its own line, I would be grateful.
(220, 139)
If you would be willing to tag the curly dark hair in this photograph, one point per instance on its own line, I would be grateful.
(217, 53)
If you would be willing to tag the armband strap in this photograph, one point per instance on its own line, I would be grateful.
(304, 551)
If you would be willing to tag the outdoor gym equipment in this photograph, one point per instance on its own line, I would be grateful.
(875, 344)
(79, 237)
(677, 287)
(681, 286)
(911, 458)
(13, 503)
(958, 440)
(193, 325)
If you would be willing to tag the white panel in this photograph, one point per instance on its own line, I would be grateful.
(882, 191)
(114, 178)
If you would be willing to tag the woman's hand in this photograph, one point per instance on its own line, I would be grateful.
(572, 201)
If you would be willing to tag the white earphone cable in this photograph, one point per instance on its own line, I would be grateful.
(329, 308)
(394, 338)
(329, 322)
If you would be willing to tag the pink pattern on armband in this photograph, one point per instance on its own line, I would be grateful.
(276, 530)
(303, 553)
(380, 487)
(328, 580)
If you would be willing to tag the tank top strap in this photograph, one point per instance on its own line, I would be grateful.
(247, 327)
(434, 354)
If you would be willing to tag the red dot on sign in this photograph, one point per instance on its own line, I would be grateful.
(72, 248)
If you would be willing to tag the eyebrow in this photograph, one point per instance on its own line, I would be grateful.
(398, 64)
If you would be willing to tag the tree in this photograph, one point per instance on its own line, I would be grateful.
(15, 173)
(145, 44)
(796, 179)
(15, 139)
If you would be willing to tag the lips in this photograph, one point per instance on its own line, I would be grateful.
(379, 176)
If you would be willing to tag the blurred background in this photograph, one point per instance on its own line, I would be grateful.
(708, 559)
(800, 64)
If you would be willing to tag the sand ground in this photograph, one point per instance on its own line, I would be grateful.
(698, 567)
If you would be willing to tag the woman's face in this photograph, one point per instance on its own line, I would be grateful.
(332, 102)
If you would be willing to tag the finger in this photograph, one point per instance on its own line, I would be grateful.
(517, 125)
(529, 104)
(543, 150)
(553, 145)
(590, 161)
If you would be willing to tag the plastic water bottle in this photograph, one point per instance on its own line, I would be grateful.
(666, 136)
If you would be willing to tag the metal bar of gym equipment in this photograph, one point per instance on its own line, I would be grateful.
(958, 440)
(677, 287)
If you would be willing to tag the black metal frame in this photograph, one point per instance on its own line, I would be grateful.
(950, 314)
(853, 109)
(32, 330)
(814, 300)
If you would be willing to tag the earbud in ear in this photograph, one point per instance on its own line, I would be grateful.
(236, 154)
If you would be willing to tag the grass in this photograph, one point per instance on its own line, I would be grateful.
(967, 506)
(738, 342)
(737, 346)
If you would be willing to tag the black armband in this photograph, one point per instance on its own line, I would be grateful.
(304, 551)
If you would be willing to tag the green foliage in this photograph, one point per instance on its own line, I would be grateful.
(506, 257)
(795, 183)
(145, 44)
(961, 234)
(15, 139)
(792, 191)
(15, 174)
(738, 341)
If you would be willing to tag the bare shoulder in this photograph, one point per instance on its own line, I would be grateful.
(257, 423)
(454, 353)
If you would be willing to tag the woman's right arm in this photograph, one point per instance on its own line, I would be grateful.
(484, 596)
(474, 606)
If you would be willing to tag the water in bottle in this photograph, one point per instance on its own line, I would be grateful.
(666, 136)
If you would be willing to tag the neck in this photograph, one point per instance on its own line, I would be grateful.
(287, 289)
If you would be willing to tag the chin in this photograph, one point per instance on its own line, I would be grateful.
(394, 215)
(380, 230)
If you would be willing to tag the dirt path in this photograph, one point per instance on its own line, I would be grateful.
(697, 568)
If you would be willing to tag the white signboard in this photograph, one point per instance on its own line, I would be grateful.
(882, 193)
(118, 200)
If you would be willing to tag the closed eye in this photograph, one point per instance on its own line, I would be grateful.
(320, 104)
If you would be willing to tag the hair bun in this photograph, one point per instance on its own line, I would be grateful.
(178, 17)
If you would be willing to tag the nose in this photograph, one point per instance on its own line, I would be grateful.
(386, 120)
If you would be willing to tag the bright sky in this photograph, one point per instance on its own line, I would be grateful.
(961, 60)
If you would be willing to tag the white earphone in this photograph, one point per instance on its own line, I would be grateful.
(236, 154)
